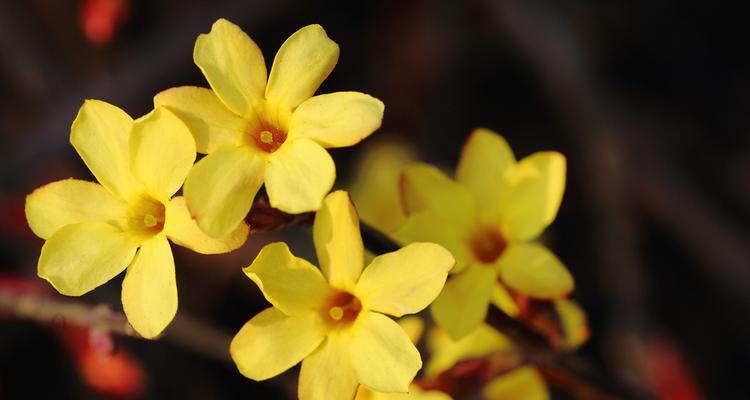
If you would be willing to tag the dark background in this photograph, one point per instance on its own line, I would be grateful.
(644, 98)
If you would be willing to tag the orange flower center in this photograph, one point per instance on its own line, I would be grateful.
(268, 137)
(147, 216)
(342, 308)
(487, 244)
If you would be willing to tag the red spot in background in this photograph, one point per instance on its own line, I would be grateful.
(667, 372)
(101, 19)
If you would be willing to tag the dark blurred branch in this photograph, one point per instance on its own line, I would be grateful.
(193, 334)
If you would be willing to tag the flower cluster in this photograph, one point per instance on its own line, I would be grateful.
(270, 129)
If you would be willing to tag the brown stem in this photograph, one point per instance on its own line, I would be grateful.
(50, 310)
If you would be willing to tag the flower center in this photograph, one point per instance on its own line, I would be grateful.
(487, 244)
(147, 216)
(268, 138)
(342, 308)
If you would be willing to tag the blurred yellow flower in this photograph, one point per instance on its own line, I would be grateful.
(520, 383)
(334, 321)
(488, 218)
(258, 130)
(93, 232)
(374, 187)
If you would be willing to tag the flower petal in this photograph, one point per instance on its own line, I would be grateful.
(429, 226)
(522, 383)
(298, 176)
(220, 189)
(533, 270)
(149, 291)
(503, 300)
(462, 305)
(338, 242)
(233, 65)
(382, 355)
(80, 257)
(532, 195)
(485, 159)
(290, 283)
(424, 187)
(573, 320)
(405, 281)
(302, 63)
(100, 136)
(337, 119)
(327, 373)
(181, 229)
(162, 150)
(445, 352)
(212, 124)
(70, 201)
(271, 342)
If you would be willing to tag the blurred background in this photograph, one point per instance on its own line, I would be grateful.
(644, 98)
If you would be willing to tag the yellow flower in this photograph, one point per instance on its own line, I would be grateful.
(488, 218)
(375, 185)
(334, 321)
(522, 383)
(93, 232)
(256, 130)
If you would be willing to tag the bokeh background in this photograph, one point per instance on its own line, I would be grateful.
(648, 100)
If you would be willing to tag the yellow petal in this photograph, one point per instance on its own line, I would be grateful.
(382, 354)
(445, 352)
(523, 383)
(415, 393)
(424, 187)
(485, 159)
(298, 176)
(430, 226)
(212, 124)
(337, 119)
(302, 63)
(405, 281)
(327, 373)
(161, 152)
(181, 229)
(290, 283)
(502, 299)
(70, 201)
(531, 269)
(149, 291)
(573, 320)
(462, 305)
(532, 195)
(80, 257)
(338, 242)
(413, 326)
(271, 342)
(100, 136)
(233, 65)
(220, 189)
(375, 188)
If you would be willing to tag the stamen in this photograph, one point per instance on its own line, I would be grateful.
(150, 221)
(336, 313)
(266, 137)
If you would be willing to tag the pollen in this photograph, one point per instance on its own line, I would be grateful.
(150, 221)
(337, 313)
(266, 137)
